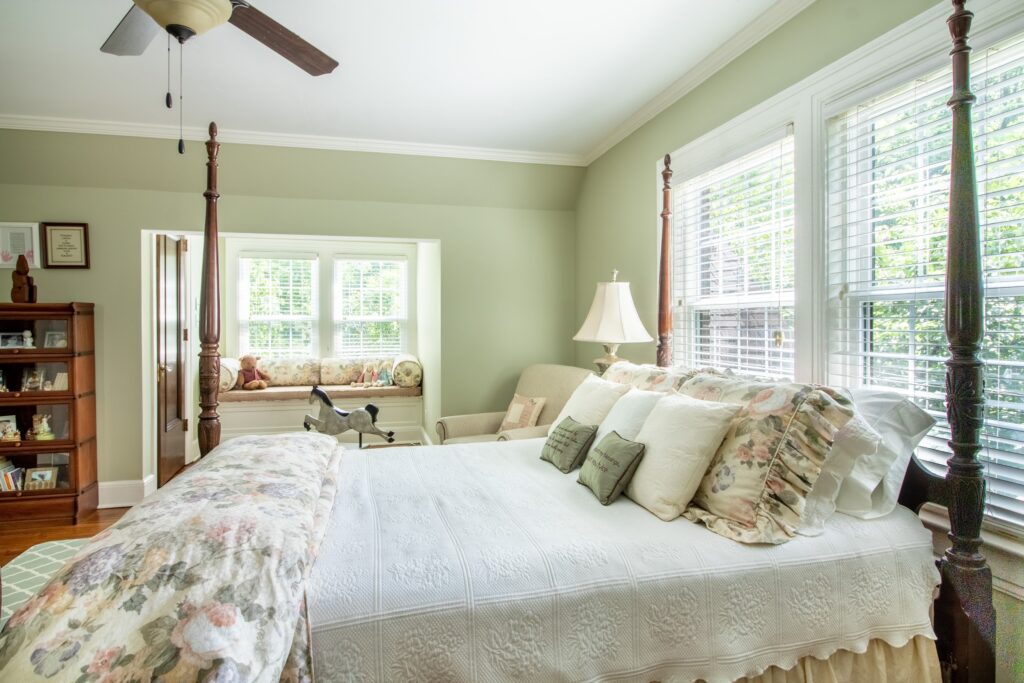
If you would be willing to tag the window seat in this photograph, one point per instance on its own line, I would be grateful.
(335, 391)
(282, 407)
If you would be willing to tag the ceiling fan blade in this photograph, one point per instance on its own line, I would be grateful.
(133, 35)
(281, 40)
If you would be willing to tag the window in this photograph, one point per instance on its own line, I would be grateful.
(888, 194)
(320, 298)
(733, 264)
(369, 306)
(277, 305)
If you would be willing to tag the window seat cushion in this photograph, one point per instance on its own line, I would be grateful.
(335, 391)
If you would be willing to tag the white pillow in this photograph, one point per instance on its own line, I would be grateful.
(628, 415)
(680, 437)
(872, 488)
(591, 401)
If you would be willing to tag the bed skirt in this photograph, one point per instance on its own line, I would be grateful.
(918, 660)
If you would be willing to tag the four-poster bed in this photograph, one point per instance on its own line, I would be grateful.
(452, 570)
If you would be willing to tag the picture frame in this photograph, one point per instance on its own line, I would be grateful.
(17, 239)
(9, 428)
(65, 245)
(37, 478)
(32, 380)
(12, 340)
(55, 340)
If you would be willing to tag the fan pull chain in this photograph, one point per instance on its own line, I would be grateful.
(167, 100)
(181, 98)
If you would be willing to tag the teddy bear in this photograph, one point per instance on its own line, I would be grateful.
(250, 376)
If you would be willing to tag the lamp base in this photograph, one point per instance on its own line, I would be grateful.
(608, 359)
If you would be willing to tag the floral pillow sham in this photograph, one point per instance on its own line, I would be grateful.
(757, 487)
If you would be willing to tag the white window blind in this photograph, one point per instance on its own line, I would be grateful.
(370, 308)
(277, 305)
(888, 194)
(733, 264)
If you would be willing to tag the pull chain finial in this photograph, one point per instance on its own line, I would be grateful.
(615, 275)
(181, 98)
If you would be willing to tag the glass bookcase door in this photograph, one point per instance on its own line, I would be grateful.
(30, 424)
(27, 335)
(45, 377)
(36, 472)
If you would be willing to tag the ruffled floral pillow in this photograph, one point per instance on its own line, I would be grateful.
(648, 377)
(757, 486)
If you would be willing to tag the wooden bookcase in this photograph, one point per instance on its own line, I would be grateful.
(33, 376)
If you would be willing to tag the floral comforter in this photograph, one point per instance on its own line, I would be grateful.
(204, 580)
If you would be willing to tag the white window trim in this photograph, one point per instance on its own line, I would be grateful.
(912, 50)
(326, 249)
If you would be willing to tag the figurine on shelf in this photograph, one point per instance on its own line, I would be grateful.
(28, 342)
(3, 383)
(9, 432)
(23, 290)
(47, 385)
(40, 428)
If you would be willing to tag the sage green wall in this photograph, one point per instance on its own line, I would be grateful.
(617, 214)
(507, 234)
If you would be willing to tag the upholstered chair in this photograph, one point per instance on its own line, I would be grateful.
(555, 383)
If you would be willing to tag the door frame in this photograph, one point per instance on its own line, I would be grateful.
(148, 339)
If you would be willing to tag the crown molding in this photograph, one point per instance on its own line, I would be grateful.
(246, 137)
(753, 33)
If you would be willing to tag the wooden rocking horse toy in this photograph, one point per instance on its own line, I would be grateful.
(334, 421)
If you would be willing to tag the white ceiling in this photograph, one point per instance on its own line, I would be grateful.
(548, 80)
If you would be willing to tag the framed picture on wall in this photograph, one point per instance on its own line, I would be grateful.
(17, 239)
(65, 245)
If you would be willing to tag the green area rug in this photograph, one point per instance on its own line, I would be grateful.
(27, 573)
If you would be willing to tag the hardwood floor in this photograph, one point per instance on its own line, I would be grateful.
(17, 537)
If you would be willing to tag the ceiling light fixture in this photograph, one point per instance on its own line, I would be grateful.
(186, 18)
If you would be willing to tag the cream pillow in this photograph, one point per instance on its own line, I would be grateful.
(680, 438)
(628, 415)
(591, 401)
(522, 412)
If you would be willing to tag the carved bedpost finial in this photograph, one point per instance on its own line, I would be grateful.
(209, 309)
(965, 622)
(664, 353)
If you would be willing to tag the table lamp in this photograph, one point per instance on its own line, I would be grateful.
(612, 320)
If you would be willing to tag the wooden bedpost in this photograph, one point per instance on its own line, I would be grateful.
(965, 618)
(209, 309)
(664, 357)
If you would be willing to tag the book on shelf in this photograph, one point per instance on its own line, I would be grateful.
(12, 478)
(60, 381)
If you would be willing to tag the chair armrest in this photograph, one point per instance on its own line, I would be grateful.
(455, 426)
(524, 433)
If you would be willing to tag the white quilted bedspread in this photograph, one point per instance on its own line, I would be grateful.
(482, 563)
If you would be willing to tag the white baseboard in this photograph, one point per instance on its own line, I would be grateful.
(123, 494)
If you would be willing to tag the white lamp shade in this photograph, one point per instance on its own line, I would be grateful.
(198, 15)
(613, 318)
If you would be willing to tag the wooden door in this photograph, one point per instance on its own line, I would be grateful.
(172, 418)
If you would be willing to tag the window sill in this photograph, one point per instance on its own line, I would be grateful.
(1004, 550)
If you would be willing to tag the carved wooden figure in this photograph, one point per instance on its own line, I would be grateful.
(23, 290)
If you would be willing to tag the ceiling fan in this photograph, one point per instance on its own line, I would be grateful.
(184, 19)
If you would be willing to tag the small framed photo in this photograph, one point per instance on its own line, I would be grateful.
(55, 340)
(12, 340)
(9, 428)
(31, 380)
(17, 239)
(65, 245)
(40, 478)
